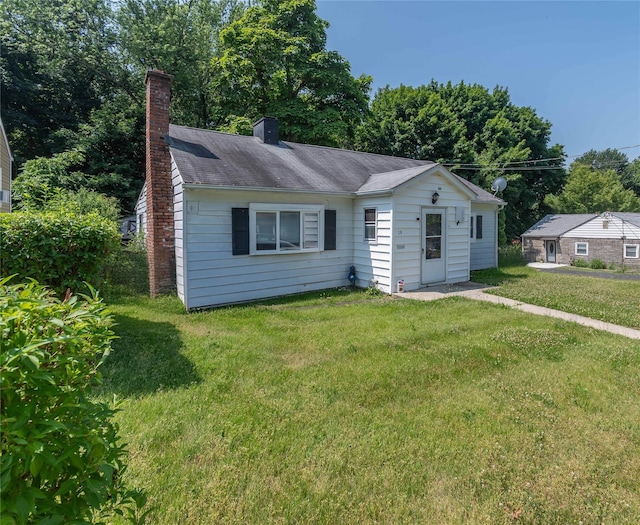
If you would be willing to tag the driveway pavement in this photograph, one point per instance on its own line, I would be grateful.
(477, 292)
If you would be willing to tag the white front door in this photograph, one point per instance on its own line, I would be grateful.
(551, 251)
(433, 245)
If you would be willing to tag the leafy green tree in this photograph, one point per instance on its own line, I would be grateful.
(630, 177)
(42, 178)
(593, 191)
(51, 184)
(273, 61)
(179, 37)
(477, 133)
(57, 62)
(608, 159)
(84, 202)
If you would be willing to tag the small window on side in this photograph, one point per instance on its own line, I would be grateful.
(582, 248)
(631, 251)
(370, 224)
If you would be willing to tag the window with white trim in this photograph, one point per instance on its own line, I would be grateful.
(370, 224)
(631, 251)
(277, 228)
(582, 248)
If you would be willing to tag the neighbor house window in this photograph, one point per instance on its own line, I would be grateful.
(370, 224)
(475, 227)
(582, 248)
(631, 251)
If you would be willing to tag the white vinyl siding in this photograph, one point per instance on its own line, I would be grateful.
(594, 229)
(372, 259)
(407, 235)
(214, 276)
(141, 211)
(484, 252)
(178, 222)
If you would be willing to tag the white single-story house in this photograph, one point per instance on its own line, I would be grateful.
(611, 237)
(231, 218)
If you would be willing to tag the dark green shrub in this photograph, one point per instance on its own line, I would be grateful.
(597, 264)
(60, 250)
(61, 457)
(510, 255)
(579, 263)
(127, 269)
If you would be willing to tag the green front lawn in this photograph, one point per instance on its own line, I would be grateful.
(355, 409)
(609, 300)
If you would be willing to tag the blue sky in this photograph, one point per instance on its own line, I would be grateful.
(576, 63)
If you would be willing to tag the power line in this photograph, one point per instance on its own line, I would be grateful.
(508, 166)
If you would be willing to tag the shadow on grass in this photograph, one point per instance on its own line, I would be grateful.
(146, 358)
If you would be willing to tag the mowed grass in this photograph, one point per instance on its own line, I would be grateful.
(610, 300)
(353, 409)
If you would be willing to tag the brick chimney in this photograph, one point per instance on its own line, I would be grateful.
(160, 228)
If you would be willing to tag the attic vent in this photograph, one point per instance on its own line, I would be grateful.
(266, 129)
(605, 225)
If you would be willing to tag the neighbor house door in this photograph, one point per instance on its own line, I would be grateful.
(433, 245)
(551, 251)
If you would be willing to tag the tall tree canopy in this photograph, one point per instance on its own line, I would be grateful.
(612, 159)
(72, 78)
(477, 133)
(273, 61)
(181, 38)
(57, 62)
(590, 190)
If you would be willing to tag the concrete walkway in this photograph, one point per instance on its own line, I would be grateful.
(477, 292)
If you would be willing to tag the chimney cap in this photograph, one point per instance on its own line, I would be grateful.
(158, 74)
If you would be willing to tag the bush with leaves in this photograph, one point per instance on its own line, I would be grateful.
(62, 461)
(59, 249)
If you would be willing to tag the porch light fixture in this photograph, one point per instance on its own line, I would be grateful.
(435, 197)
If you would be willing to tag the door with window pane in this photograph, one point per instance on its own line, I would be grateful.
(433, 246)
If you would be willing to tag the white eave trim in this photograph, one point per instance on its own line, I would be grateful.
(193, 186)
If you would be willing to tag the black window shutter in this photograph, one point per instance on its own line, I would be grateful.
(479, 227)
(240, 231)
(329, 229)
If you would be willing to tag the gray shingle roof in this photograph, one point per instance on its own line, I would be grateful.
(213, 158)
(556, 225)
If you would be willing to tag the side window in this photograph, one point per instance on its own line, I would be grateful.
(370, 224)
(475, 227)
(582, 248)
(631, 251)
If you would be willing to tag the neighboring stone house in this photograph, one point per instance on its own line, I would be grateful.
(611, 237)
(6, 171)
(231, 218)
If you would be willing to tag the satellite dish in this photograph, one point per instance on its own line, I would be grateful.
(499, 185)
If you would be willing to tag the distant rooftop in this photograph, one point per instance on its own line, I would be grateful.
(556, 225)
